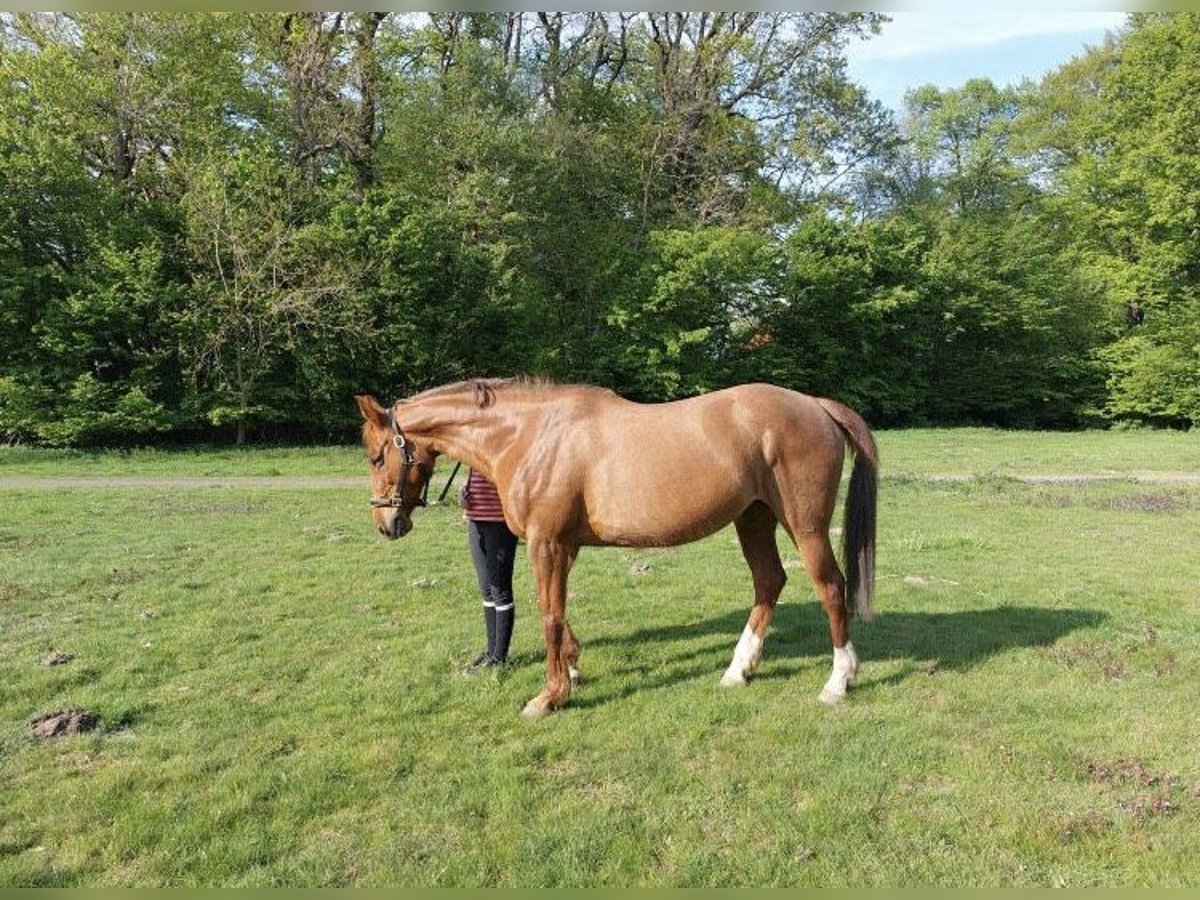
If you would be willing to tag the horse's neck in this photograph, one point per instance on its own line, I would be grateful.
(456, 427)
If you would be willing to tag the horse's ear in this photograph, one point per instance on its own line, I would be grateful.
(371, 410)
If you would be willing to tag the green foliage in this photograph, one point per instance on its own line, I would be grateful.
(1141, 190)
(1155, 374)
(908, 319)
(963, 136)
(1016, 325)
(98, 412)
(272, 283)
(700, 291)
(20, 408)
(244, 219)
(93, 412)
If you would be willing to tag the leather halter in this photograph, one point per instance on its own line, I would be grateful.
(396, 500)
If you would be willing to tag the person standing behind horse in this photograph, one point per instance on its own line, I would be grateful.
(493, 551)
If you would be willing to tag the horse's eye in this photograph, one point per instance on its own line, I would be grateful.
(377, 461)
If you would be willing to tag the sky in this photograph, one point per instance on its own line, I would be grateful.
(947, 48)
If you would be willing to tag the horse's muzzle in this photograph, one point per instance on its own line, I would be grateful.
(394, 527)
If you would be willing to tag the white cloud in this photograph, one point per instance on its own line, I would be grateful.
(912, 34)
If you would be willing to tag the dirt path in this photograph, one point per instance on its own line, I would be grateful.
(1073, 477)
(321, 482)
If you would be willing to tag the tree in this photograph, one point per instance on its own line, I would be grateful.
(1139, 187)
(745, 100)
(700, 293)
(240, 220)
(89, 274)
(324, 87)
(266, 279)
(964, 135)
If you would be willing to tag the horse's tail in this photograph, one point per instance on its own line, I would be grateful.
(858, 529)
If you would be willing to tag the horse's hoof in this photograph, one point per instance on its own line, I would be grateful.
(537, 708)
(733, 679)
(573, 674)
(832, 698)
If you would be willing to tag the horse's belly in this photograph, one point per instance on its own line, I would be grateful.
(660, 519)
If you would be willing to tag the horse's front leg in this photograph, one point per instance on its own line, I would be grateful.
(552, 560)
(570, 652)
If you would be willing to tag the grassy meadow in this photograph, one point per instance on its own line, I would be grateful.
(200, 462)
(927, 451)
(281, 699)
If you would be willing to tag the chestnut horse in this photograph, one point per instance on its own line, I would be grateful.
(580, 466)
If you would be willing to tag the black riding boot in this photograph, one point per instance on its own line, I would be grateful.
(506, 614)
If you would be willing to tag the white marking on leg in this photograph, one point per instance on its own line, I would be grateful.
(746, 657)
(536, 708)
(845, 667)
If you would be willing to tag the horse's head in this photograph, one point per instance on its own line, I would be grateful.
(400, 469)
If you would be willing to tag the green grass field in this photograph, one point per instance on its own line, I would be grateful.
(281, 462)
(950, 451)
(280, 700)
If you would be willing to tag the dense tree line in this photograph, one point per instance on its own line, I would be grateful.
(225, 225)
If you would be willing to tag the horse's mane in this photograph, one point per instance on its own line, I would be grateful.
(484, 389)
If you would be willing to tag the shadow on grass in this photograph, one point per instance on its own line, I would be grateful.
(799, 636)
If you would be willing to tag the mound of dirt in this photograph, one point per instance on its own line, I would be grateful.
(64, 722)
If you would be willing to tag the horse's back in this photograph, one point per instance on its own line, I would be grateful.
(739, 422)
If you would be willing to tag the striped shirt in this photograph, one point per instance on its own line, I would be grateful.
(483, 503)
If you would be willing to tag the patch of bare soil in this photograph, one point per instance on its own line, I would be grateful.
(1138, 654)
(1093, 654)
(1128, 771)
(1154, 792)
(64, 722)
(57, 659)
(1160, 501)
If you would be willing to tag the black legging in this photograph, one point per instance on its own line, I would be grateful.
(493, 551)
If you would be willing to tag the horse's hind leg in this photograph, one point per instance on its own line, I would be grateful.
(756, 532)
(822, 566)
